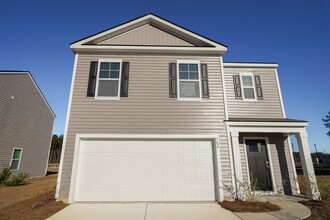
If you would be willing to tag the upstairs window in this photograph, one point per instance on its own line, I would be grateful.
(248, 86)
(108, 79)
(16, 159)
(189, 80)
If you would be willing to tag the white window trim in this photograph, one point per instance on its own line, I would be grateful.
(97, 79)
(272, 176)
(254, 86)
(199, 79)
(19, 160)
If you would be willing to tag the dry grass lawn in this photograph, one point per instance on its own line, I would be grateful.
(320, 209)
(32, 201)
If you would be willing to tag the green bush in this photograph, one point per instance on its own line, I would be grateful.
(17, 180)
(5, 174)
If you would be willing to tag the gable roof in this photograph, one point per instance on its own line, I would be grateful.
(191, 42)
(22, 72)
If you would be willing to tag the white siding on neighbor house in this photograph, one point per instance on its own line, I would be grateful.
(269, 107)
(147, 35)
(25, 122)
(147, 109)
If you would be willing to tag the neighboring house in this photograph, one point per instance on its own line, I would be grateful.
(26, 124)
(156, 115)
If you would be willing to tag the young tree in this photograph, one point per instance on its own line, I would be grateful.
(326, 121)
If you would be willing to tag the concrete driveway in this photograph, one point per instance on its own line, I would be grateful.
(144, 211)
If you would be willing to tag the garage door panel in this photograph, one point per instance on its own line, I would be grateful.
(145, 171)
(172, 160)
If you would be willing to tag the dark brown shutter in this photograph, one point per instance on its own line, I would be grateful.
(205, 81)
(124, 79)
(92, 79)
(258, 87)
(237, 87)
(172, 80)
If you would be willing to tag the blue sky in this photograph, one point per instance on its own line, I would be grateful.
(35, 36)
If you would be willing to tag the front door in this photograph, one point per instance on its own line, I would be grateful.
(259, 168)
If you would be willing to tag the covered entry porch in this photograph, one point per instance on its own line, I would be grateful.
(262, 153)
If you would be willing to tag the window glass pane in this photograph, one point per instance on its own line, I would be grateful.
(189, 89)
(248, 93)
(193, 75)
(14, 164)
(183, 75)
(193, 67)
(183, 67)
(254, 148)
(17, 154)
(114, 74)
(108, 88)
(115, 66)
(104, 74)
(247, 81)
(105, 66)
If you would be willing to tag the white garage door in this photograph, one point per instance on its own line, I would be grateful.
(145, 171)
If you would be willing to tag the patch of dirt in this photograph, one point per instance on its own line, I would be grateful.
(35, 200)
(38, 207)
(320, 209)
(242, 206)
(34, 187)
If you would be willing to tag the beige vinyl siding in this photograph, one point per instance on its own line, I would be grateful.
(269, 107)
(147, 109)
(147, 35)
(280, 157)
(26, 122)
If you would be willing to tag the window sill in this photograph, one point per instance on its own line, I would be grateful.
(107, 98)
(250, 100)
(191, 99)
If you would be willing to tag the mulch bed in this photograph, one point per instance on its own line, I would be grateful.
(39, 207)
(320, 209)
(241, 206)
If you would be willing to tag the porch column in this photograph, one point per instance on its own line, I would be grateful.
(237, 160)
(307, 165)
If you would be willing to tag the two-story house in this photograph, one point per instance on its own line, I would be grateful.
(156, 115)
(26, 124)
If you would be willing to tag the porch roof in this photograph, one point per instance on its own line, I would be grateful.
(264, 120)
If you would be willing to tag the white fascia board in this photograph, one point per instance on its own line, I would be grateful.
(266, 124)
(68, 112)
(143, 49)
(218, 46)
(79, 44)
(280, 92)
(109, 31)
(251, 65)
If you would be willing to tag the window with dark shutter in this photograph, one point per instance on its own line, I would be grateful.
(205, 81)
(92, 79)
(172, 80)
(124, 79)
(237, 87)
(258, 87)
(108, 81)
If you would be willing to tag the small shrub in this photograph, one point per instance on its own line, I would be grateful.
(5, 174)
(17, 180)
(249, 190)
